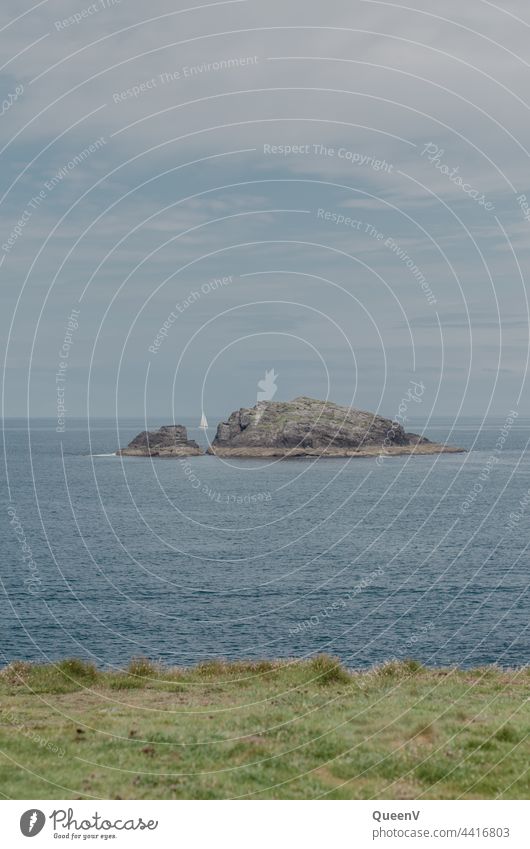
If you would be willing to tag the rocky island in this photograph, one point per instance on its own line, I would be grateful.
(303, 427)
(168, 441)
(306, 427)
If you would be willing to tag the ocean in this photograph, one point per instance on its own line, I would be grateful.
(108, 558)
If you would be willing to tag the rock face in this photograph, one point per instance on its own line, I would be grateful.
(168, 441)
(307, 427)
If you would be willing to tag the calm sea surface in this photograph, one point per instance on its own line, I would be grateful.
(109, 558)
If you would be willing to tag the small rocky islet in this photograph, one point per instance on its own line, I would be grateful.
(304, 427)
(168, 441)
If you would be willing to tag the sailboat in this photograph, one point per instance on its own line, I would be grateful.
(204, 422)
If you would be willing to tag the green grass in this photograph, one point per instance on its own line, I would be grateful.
(299, 730)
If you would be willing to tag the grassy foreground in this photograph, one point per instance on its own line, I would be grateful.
(298, 730)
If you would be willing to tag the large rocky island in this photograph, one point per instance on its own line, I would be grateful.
(168, 441)
(306, 427)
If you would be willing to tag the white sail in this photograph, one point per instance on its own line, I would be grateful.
(204, 422)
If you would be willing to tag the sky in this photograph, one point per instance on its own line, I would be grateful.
(194, 194)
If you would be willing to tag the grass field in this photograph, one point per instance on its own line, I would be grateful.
(299, 730)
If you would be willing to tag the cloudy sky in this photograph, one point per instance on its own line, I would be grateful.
(352, 172)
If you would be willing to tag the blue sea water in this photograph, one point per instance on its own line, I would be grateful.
(109, 558)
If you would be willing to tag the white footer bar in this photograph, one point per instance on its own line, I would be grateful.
(266, 824)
